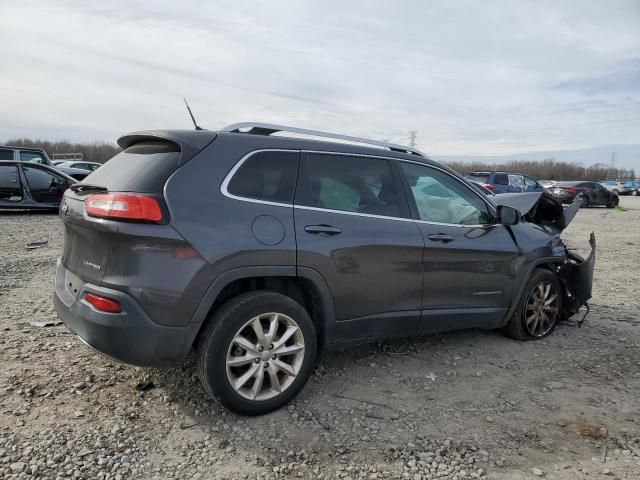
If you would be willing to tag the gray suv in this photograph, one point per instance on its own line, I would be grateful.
(256, 250)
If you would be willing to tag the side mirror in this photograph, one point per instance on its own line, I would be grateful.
(508, 215)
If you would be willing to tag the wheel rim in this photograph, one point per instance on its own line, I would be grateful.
(584, 201)
(265, 356)
(541, 309)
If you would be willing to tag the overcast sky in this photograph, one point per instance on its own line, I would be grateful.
(470, 76)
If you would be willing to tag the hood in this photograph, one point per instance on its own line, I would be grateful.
(539, 207)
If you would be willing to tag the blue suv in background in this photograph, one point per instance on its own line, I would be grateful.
(505, 182)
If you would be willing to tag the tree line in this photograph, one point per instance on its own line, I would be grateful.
(548, 169)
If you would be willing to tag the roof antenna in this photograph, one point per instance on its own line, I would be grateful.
(191, 114)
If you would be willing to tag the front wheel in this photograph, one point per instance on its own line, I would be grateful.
(256, 352)
(613, 203)
(538, 310)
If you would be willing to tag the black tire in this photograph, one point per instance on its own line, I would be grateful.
(584, 201)
(215, 344)
(517, 328)
(613, 203)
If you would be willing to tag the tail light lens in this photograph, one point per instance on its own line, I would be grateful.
(488, 186)
(570, 190)
(103, 304)
(123, 206)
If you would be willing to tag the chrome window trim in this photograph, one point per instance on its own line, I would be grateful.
(224, 188)
(225, 185)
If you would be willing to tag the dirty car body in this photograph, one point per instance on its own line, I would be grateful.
(169, 242)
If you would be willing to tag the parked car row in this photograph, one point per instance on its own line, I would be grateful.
(622, 188)
(586, 193)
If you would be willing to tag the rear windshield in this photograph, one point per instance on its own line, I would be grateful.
(478, 177)
(143, 167)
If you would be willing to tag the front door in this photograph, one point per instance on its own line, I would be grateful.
(469, 262)
(352, 227)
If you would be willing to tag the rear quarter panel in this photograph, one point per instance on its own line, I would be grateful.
(219, 228)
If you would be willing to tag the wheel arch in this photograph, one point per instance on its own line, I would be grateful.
(547, 263)
(305, 286)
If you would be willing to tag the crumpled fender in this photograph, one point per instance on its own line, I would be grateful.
(576, 275)
(539, 207)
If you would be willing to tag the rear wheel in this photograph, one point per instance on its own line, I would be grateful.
(584, 201)
(539, 308)
(613, 202)
(257, 352)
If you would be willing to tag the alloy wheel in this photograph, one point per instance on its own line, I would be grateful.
(541, 309)
(265, 356)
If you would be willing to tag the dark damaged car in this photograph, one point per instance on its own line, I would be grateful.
(255, 250)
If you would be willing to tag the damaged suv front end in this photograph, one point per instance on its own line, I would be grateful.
(538, 236)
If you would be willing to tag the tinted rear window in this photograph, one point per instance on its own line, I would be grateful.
(268, 176)
(6, 154)
(478, 177)
(143, 167)
(501, 179)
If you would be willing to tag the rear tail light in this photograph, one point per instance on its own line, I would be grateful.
(570, 190)
(103, 304)
(488, 186)
(123, 206)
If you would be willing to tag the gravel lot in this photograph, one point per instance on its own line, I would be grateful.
(469, 404)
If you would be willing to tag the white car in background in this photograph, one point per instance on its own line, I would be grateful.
(82, 165)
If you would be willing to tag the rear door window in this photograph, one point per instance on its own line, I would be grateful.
(6, 154)
(10, 189)
(350, 184)
(516, 181)
(268, 176)
(33, 157)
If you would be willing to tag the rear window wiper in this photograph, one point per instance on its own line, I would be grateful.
(86, 187)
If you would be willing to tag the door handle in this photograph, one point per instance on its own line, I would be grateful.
(322, 230)
(440, 237)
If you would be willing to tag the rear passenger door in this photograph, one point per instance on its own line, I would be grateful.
(44, 187)
(352, 226)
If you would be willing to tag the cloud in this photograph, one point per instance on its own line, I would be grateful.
(471, 77)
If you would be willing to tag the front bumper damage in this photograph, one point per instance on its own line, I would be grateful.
(576, 275)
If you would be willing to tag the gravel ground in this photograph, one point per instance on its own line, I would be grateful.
(469, 404)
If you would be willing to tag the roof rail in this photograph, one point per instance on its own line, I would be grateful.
(268, 129)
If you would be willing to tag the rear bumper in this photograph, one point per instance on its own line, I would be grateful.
(130, 336)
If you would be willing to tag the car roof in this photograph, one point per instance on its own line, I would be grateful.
(190, 140)
(28, 149)
(489, 172)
